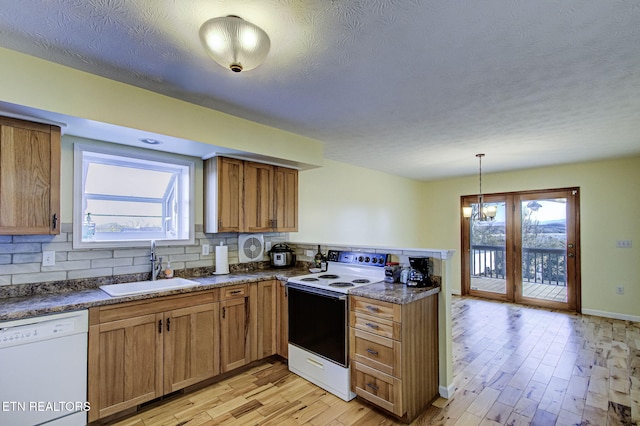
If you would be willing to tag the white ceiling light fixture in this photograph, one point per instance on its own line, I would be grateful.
(484, 212)
(235, 43)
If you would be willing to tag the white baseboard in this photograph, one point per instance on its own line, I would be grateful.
(447, 391)
(614, 315)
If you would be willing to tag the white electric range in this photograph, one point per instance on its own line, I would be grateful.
(319, 318)
(346, 270)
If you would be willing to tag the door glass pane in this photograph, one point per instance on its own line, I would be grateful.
(488, 250)
(544, 249)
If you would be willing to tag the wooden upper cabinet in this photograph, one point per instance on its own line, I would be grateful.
(244, 196)
(286, 199)
(29, 178)
(258, 196)
(223, 185)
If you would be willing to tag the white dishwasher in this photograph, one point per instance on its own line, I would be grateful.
(43, 370)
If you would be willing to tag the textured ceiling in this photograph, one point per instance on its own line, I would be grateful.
(410, 87)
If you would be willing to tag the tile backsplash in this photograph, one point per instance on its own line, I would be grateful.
(21, 256)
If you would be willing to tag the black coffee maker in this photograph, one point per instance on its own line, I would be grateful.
(421, 271)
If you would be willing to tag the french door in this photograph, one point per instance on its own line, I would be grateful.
(529, 252)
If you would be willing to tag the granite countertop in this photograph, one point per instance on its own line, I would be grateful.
(14, 308)
(394, 293)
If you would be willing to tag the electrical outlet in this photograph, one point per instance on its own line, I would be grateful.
(205, 249)
(620, 289)
(309, 253)
(48, 258)
(267, 245)
(623, 244)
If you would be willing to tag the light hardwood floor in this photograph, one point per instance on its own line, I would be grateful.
(513, 365)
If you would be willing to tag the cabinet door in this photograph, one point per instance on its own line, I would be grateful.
(125, 360)
(267, 318)
(258, 196)
(286, 199)
(29, 178)
(234, 333)
(223, 194)
(283, 320)
(191, 345)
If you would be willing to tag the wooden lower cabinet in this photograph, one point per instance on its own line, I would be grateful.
(282, 307)
(394, 354)
(142, 350)
(266, 321)
(235, 336)
(139, 351)
(191, 346)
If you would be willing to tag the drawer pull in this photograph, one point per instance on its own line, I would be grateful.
(372, 386)
(374, 326)
(372, 352)
(236, 291)
(372, 308)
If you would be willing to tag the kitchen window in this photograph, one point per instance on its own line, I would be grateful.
(126, 197)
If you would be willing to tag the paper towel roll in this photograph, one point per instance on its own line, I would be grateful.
(222, 260)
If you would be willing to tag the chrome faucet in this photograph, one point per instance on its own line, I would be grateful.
(156, 262)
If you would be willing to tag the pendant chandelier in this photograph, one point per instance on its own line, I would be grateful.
(234, 43)
(484, 212)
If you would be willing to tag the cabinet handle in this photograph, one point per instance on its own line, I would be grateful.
(372, 308)
(55, 220)
(159, 326)
(372, 352)
(168, 324)
(374, 326)
(372, 386)
(236, 291)
(224, 311)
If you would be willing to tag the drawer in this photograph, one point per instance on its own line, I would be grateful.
(234, 291)
(377, 352)
(377, 308)
(379, 326)
(378, 388)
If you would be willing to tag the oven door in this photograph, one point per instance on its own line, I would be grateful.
(318, 322)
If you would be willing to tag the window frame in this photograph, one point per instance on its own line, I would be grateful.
(127, 153)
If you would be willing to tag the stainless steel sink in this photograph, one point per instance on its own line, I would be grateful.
(141, 287)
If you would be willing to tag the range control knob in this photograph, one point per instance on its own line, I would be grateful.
(360, 259)
(374, 260)
(367, 259)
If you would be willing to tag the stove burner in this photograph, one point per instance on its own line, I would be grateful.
(309, 279)
(341, 284)
(329, 276)
(360, 281)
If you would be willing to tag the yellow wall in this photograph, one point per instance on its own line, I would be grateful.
(35, 83)
(609, 211)
(344, 204)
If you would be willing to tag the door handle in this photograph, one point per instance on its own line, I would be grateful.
(168, 324)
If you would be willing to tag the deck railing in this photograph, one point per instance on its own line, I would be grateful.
(539, 265)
